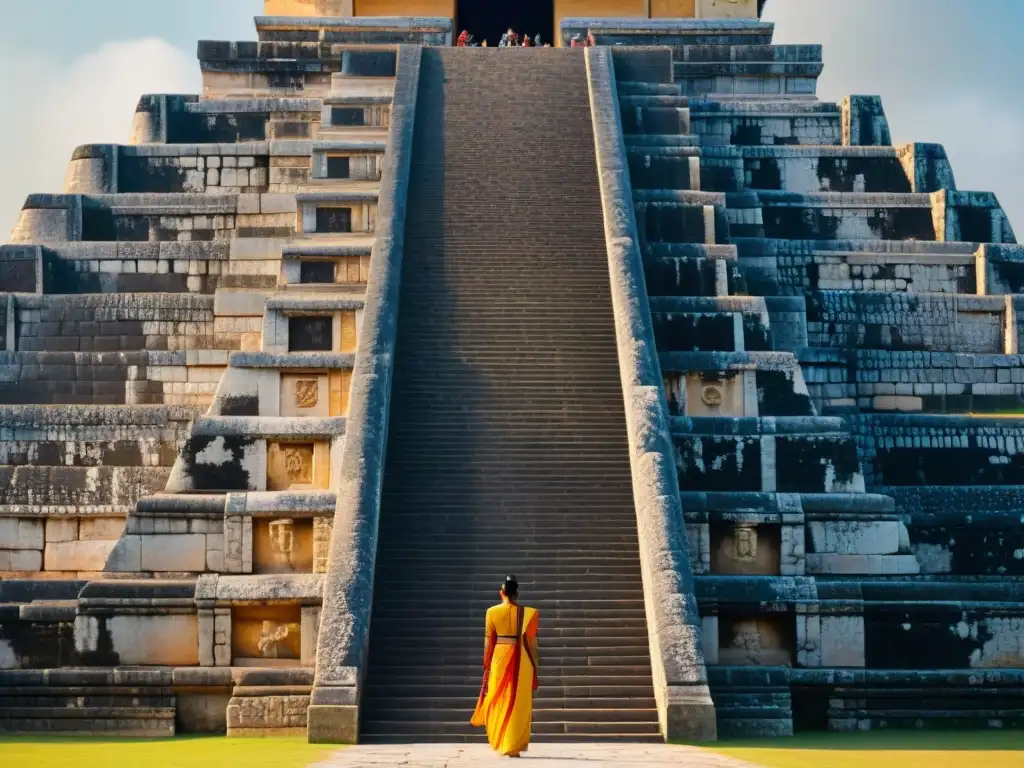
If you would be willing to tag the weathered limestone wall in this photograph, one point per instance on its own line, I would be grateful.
(928, 449)
(442, 8)
(70, 477)
(307, 7)
(914, 381)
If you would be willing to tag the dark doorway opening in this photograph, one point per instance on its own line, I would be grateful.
(488, 20)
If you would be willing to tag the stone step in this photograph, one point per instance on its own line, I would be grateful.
(541, 701)
(576, 693)
(395, 665)
(579, 648)
(480, 738)
(141, 722)
(461, 727)
(542, 717)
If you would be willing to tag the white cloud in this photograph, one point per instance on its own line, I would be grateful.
(89, 101)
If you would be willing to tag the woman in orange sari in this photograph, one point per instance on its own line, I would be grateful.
(505, 705)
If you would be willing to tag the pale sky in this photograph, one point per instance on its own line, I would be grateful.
(949, 71)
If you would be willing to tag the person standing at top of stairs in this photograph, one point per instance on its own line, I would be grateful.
(505, 705)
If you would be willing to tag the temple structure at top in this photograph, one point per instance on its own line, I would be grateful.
(293, 378)
(544, 16)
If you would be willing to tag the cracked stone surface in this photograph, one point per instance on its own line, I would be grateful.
(539, 755)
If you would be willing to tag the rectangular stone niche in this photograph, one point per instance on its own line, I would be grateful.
(746, 549)
(266, 636)
(764, 641)
(298, 466)
(305, 394)
(334, 219)
(282, 545)
(726, 396)
(316, 272)
(337, 167)
(311, 334)
(347, 116)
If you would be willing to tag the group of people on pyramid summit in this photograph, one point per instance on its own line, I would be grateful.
(505, 705)
(512, 39)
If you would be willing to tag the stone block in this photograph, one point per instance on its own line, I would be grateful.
(100, 528)
(855, 537)
(201, 712)
(333, 724)
(158, 640)
(126, 555)
(174, 552)
(308, 634)
(77, 555)
(267, 714)
(26, 560)
(21, 534)
(842, 641)
(61, 529)
(278, 203)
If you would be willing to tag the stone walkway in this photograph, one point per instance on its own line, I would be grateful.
(539, 756)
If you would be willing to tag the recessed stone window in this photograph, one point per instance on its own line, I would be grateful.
(316, 272)
(282, 546)
(334, 220)
(740, 549)
(338, 167)
(346, 116)
(765, 641)
(266, 635)
(310, 334)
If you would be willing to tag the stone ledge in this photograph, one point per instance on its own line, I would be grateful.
(300, 303)
(759, 425)
(313, 250)
(641, 26)
(728, 361)
(269, 427)
(349, 145)
(406, 23)
(313, 360)
(221, 589)
(339, 195)
(267, 503)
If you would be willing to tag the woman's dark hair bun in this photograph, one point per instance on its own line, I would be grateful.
(511, 586)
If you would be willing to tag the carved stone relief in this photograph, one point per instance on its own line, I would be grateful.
(307, 393)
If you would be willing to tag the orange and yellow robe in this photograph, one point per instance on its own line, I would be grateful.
(505, 706)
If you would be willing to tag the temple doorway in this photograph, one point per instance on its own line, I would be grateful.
(489, 19)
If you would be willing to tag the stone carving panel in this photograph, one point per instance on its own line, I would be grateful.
(266, 635)
(756, 641)
(297, 466)
(283, 546)
(305, 395)
(746, 549)
(708, 396)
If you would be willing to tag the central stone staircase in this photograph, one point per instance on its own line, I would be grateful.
(507, 448)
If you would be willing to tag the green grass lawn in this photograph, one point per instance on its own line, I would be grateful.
(182, 752)
(883, 749)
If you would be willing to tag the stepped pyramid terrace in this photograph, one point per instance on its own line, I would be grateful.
(292, 380)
